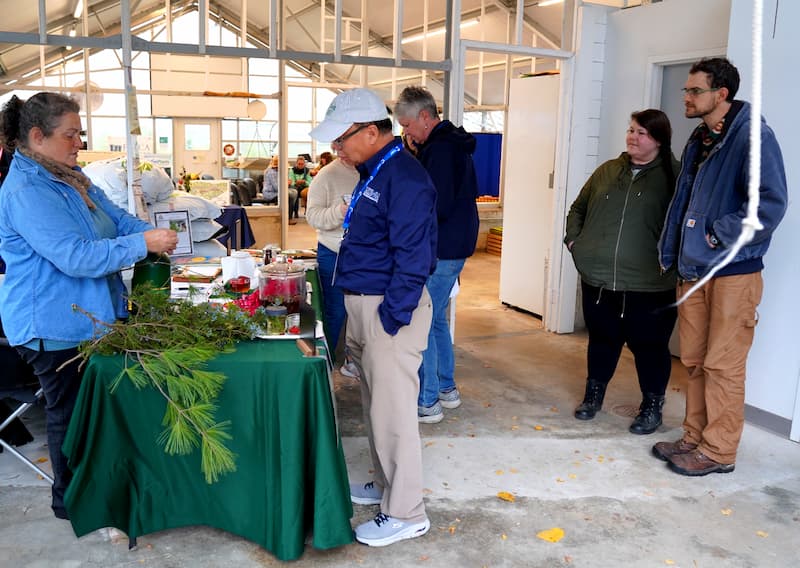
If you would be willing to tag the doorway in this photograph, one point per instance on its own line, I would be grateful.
(197, 146)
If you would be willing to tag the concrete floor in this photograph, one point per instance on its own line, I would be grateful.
(617, 505)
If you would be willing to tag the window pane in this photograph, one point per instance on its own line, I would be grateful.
(229, 129)
(260, 66)
(197, 136)
(164, 136)
(299, 131)
(299, 100)
(296, 148)
(108, 134)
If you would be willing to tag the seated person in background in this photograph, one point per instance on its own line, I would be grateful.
(324, 159)
(270, 189)
(299, 180)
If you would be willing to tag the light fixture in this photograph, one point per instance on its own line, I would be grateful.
(78, 9)
(437, 32)
(72, 31)
(544, 3)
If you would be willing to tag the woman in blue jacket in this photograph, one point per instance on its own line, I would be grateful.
(64, 244)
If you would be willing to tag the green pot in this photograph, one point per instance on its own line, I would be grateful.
(155, 269)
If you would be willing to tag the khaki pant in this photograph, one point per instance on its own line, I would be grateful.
(389, 390)
(717, 324)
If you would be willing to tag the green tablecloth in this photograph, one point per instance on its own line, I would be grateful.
(291, 478)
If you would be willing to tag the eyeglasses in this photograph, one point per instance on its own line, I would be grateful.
(696, 91)
(340, 141)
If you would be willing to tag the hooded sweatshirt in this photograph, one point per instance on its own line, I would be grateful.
(447, 157)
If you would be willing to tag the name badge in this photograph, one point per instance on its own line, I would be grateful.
(372, 195)
(690, 223)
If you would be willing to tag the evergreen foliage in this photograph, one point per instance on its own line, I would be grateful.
(166, 345)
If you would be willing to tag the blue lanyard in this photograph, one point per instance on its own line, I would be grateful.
(363, 185)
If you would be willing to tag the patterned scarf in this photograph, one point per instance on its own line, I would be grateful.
(75, 179)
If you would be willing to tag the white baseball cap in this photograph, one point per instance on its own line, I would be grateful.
(349, 107)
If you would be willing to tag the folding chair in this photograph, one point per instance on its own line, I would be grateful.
(20, 388)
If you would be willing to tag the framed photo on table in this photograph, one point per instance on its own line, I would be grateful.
(177, 221)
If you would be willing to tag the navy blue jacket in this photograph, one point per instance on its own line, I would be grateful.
(447, 156)
(715, 198)
(390, 246)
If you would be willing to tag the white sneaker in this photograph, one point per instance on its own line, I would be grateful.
(365, 494)
(350, 369)
(450, 399)
(430, 414)
(384, 530)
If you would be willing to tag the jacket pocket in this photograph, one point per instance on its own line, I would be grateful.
(695, 250)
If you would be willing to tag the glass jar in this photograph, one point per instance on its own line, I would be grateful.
(282, 283)
(276, 320)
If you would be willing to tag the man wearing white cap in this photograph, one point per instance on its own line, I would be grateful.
(387, 253)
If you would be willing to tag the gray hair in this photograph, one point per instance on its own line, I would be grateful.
(414, 100)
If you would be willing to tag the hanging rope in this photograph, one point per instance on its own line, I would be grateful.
(750, 224)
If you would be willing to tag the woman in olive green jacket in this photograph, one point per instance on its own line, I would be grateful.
(613, 229)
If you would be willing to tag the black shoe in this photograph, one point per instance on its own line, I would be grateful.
(592, 400)
(649, 417)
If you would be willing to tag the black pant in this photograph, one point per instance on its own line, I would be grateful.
(60, 393)
(643, 320)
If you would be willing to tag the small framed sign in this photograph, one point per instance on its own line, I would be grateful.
(177, 221)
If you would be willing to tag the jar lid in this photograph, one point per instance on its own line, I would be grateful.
(276, 310)
(283, 268)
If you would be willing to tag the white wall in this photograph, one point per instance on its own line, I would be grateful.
(773, 367)
(635, 36)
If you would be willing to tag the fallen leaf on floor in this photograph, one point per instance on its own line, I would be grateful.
(762, 534)
(424, 558)
(553, 409)
(513, 470)
(669, 562)
(573, 476)
(568, 559)
(41, 460)
(559, 480)
(429, 444)
(427, 491)
(538, 427)
(471, 435)
(503, 536)
(499, 472)
(452, 529)
(726, 512)
(506, 496)
(551, 535)
(601, 459)
(488, 405)
(515, 427)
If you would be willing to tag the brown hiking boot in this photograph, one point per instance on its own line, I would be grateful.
(696, 463)
(665, 450)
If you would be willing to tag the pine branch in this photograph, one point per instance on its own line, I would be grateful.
(166, 346)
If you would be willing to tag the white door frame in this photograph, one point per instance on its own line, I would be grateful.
(655, 71)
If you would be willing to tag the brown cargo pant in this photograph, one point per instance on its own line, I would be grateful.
(717, 324)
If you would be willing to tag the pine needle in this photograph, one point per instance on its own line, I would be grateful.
(167, 346)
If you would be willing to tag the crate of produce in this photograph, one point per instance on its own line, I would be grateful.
(494, 241)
